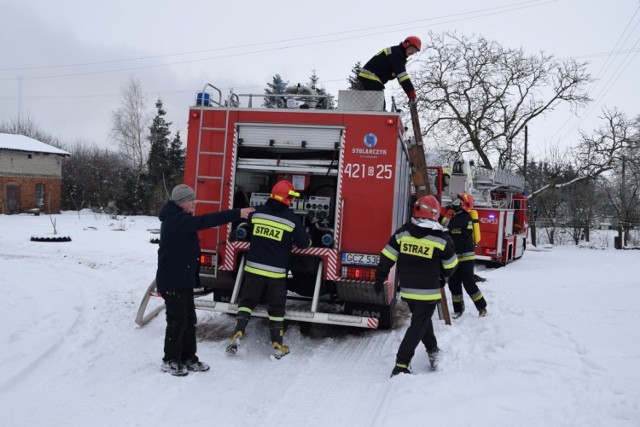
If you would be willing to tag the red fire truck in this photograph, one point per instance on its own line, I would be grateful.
(352, 168)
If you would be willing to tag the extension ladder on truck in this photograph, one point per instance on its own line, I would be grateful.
(210, 188)
(420, 177)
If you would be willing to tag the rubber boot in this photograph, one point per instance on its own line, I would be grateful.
(242, 320)
(458, 306)
(276, 330)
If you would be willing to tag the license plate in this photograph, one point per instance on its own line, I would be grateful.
(360, 259)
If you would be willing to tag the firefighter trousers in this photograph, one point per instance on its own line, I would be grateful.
(368, 84)
(273, 292)
(463, 276)
(420, 329)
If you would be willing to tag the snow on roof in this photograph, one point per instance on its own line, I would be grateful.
(24, 143)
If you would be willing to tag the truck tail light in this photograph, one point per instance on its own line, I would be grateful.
(359, 273)
(206, 260)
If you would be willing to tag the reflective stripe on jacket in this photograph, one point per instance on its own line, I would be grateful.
(422, 255)
(274, 231)
(461, 230)
(390, 63)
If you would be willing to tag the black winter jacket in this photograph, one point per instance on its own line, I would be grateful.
(390, 63)
(423, 255)
(461, 230)
(274, 230)
(179, 251)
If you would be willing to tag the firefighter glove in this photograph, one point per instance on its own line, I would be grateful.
(443, 282)
(378, 286)
(412, 97)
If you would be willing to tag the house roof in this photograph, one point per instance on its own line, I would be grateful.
(24, 143)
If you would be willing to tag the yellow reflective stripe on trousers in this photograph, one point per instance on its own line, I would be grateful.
(421, 294)
(264, 272)
(476, 297)
(467, 256)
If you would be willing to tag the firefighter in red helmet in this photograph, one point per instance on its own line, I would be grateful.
(465, 234)
(390, 63)
(424, 254)
(274, 230)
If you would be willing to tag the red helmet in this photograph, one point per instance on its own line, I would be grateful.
(427, 207)
(412, 41)
(284, 192)
(467, 201)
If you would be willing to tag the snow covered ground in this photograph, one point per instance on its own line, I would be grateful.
(560, 346)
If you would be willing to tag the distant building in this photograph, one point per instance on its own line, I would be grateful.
(30, 175)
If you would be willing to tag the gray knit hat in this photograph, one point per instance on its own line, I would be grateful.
(182, 193)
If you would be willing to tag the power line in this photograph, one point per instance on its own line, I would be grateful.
(507, 8)
(613, 78)
(476, 14)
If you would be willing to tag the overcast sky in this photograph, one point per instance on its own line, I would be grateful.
(75, 56)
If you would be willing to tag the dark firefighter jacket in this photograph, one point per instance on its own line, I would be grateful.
(179, 251)
(274, 229)
(423, 255)
(461, 229)
(389, 63)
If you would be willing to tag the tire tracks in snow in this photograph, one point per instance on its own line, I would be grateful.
(329, 374)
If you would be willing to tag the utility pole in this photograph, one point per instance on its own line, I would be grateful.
(526, 144)
(19, 98)
(623, 206)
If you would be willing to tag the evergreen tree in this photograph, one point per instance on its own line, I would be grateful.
(324, 103)
(158, 162)
(176, 158)
(354, 83)
(277, 86)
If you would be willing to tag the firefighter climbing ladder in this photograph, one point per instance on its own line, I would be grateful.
(420, 177)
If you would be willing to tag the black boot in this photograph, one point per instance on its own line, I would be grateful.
(242, 320)
(400, 368)
(433, 358)
(276, 330)
(458, 307)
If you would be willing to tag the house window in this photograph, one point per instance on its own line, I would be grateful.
(39, 194)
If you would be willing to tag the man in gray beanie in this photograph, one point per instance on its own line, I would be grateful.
(177, 275)
(182, 193)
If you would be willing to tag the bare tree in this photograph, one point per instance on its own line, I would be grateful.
(607, 155)
(623, 183)
(28, 127)
(598, 152)
(478, 96)
(97, 178)
(130, 125)
(552, 169)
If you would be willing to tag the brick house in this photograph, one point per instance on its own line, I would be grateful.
(30, 175)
